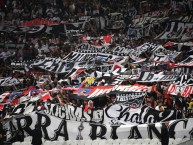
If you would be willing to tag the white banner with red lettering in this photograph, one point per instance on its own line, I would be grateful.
(185, 91)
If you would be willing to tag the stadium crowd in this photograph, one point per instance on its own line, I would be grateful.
(45, 45)
(56, 45)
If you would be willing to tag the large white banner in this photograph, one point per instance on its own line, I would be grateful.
(54, 128)
(112, 115)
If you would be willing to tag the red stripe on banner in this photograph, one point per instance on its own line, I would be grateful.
(1, 106)
(4, 97)
(117, 66)
(80, 70)
(24, 93)
(186, 91)
(168, 44)
(45, 97)
(172, 89)
(15, 101)
(107, 39)
(39, 22)
(98, 90)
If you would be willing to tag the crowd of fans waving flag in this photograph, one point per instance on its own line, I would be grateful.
(136, 63)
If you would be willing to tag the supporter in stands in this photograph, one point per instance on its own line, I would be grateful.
(189, 113)
(190, 104)
(188, 101)
(179, 107)
(73, 102)
(102, 82)
(61, 99)
(170, 102)
(2, 132)
(84, 103)
(150, 101)
(48, 101)
(110, 100)
(159, 107)
(180, 102)
(88, 106)
(55, 46)
(55, 98)
(40, 106)
(165, 104)
(10, 106)
(8, 112)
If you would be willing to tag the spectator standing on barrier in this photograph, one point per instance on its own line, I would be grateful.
(36, 135)
(1, 131)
